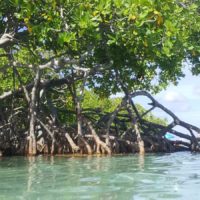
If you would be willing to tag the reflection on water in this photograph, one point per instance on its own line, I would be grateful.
(141, 161)
(167, 176)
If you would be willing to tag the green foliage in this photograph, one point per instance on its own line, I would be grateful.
(92, 100)
(145, 42)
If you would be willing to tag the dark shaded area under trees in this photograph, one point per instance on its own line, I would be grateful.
(125, 130)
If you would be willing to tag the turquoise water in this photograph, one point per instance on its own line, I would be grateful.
(167, 176)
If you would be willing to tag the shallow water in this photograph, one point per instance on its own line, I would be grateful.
(165, 176)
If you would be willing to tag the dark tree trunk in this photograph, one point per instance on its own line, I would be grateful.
(111, 119)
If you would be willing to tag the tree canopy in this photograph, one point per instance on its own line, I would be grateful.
(145, 41)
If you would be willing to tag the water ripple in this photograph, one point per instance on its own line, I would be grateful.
(163, 176)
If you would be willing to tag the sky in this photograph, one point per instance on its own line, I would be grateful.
(183, 99)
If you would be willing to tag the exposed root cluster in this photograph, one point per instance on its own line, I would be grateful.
(121, 131)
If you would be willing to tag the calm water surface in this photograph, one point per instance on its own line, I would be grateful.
(167, 176)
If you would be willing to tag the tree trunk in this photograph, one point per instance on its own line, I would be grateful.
(53, 145)
(139, 139)
(74, 147)
(32, 150)
(77, 97)
(99, 143)
(81, 139)
(137, 131)
(111, 119)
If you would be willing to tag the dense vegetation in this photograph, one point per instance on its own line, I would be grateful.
(52, 51)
